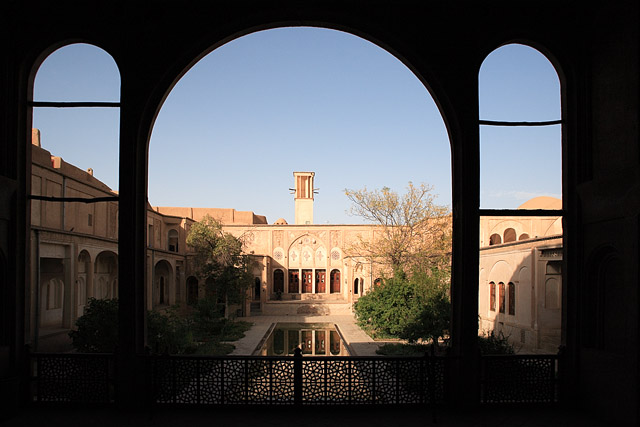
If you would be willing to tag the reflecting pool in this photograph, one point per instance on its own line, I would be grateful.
(314, 339)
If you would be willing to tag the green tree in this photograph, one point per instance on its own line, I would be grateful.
(221, 261)
(415, 308)
(433, 317)
(414, 243)
(97, 329)
(168, 332)
(415, 232)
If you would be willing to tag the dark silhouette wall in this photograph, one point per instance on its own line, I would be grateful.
(594, 49)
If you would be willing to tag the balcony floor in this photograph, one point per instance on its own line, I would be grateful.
(319, 416)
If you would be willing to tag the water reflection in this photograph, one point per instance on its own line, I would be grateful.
(311, 338)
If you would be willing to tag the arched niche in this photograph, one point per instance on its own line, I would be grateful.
(163, 289)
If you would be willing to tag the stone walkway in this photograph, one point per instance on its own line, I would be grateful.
(359, 342)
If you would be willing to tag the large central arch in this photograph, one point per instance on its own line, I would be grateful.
(461, 125)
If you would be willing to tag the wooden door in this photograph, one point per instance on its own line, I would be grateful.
(335, 281)
(294, 282)
(321, 276)
(278, 281)
(307, 281)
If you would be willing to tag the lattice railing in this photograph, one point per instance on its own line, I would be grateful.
(72, 378)
(519, 379)
(230, 380)
(188, 380)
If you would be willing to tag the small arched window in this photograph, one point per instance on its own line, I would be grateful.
(492, 296)
(524, 236)
(356, 285)
(509, 235)
(511, 291)
(162, 290)
(256, 288)
(501, 297)
(173, 240)
(495, 239)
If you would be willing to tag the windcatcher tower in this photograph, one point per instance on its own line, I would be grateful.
(303, 192)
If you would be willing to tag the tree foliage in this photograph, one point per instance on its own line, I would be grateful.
(97, 329)
(494, 343)
(220, 260)
(168, 332)
(413, 241)
(415, 308)
(415, 232)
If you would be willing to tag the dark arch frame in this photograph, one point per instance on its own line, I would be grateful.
(138, 119)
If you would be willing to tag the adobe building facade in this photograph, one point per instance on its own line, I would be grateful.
(520, 277)
(302, 268)
(299, 269)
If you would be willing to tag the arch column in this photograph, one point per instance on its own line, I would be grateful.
(134, 133)
(461, 88)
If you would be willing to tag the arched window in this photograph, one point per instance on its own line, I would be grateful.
(162, 290)
(172, 240)
(256, 288)
(511, 291)
(509, 235)
(164, 277)
(495, 239)
(501, 297)
(521, 124)
(520, 118)
(492, 296)
(356, 285)
(278, 281)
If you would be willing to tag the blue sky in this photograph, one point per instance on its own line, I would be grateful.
(249, 114)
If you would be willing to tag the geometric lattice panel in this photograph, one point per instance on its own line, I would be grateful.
(77, 378)
(208, 380)
(519, 379)
(238, 380)
(202, 380)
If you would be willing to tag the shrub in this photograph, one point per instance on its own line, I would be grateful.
(169, 333)
(97, 330)
(414, 309)
(493, 343)
(400, 349)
